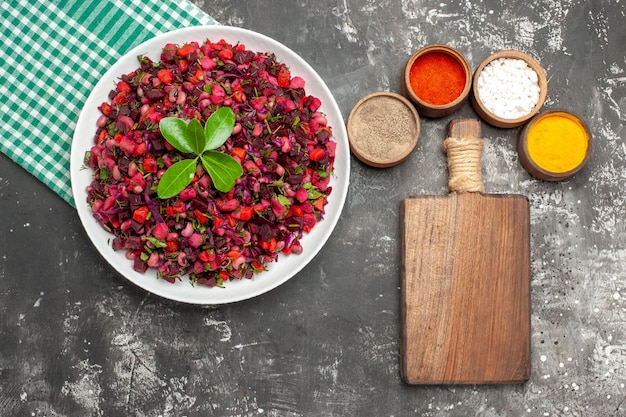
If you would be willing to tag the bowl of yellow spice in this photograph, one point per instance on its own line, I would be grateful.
(554, 145)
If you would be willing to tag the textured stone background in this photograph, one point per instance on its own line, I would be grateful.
(78, 340)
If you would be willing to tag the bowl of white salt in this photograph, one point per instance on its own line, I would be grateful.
(508, 88)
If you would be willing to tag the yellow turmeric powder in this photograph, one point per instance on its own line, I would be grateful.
(557, 142)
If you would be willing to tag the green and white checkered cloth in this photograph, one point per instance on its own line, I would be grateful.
(53, 53)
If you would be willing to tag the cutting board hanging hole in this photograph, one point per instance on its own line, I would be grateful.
(464, 149)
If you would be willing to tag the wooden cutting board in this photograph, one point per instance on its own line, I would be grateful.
(465, 285)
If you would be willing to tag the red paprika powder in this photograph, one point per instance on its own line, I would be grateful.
(437, 78)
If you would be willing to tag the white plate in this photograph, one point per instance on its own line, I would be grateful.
(279, 271)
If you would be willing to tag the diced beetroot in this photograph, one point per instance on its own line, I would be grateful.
(118, 243)
(160, 231)
(140, 266)
(302, 195)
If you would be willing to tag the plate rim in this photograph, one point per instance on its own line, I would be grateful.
(148, 281)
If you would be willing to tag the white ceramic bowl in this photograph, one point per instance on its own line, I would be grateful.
(286, 266)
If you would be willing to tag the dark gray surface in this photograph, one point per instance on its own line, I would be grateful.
(78, 340)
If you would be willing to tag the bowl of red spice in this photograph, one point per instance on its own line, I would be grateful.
(509, 87)
(437, 79)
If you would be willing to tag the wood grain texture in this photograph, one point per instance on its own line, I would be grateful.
(465, 289)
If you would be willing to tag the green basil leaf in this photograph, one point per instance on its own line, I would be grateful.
(195, 136)
(174, 130)
(176, 178)
(222, 168)
(218, 128)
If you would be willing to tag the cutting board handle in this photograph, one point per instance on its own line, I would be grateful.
(464, 149)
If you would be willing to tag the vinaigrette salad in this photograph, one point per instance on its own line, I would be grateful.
(280, 138)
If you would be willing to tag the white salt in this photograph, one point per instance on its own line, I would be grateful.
(508, 88)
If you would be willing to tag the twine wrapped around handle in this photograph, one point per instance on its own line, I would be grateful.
(464, 163)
